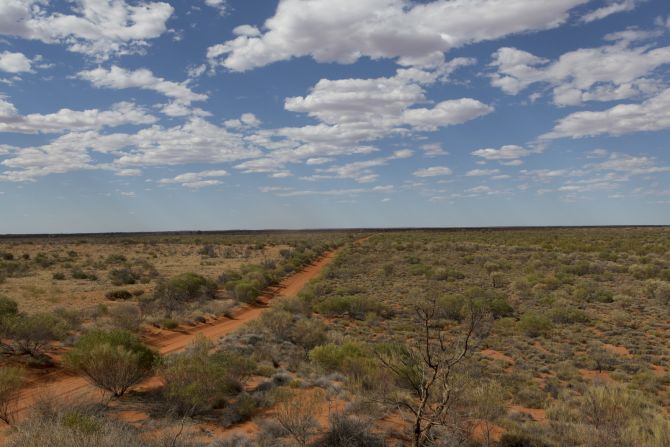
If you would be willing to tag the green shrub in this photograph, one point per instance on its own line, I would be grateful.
(356, 306)
(332, 357)
(8, 307)
(658, 290)
(124, 276)
(75, 427)
(246, 292)
(58, 276)
(192, 286)
(80, 274)
(30, 333)
(196, 381)
(589, 292)
(452, 307)
(126, 316)
(568, 315)
(534, 324)
(10, 383)
(113, 360)
(492, 301)
(348, 431)
(114, 295)
(309, 333)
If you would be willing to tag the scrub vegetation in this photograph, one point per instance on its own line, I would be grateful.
(528, 337)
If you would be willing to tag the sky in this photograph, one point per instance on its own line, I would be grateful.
(123, 115)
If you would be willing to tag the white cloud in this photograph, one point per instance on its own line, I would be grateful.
(196, 180)
(608, 10)
(98, 28)
(318, 161)
(361, 171)
(120, 78)
(417, 34)
(433, 171)
(433, 150)
(607, 73)
(631, 165)
(195, 142)
(72, 120)
(508, 153)
(14, 62)
(650, 115)
(246, 120)
(482, 172)
(221, 5)
(371, 108)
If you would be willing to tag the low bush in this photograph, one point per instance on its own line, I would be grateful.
(333, 357)
(10, 383)
(126, 316)
(534, 324)
(80, 274)
(658, 290)
(591, 293)
(309, 333)
(30, 333)
(196, 381)
(112, 360)
(191, 286)
(568, 315)
(114, 295)
(124, 276)
(348, 431)
(356, 306)
(75, 427)
(8, 307)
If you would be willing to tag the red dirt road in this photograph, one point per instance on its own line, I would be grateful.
(63, 385)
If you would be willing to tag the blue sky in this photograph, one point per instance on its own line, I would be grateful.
(122, 115)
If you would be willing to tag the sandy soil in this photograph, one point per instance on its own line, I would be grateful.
(497, 355)
(61, 384)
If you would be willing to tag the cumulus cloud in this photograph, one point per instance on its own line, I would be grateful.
(433, 171)
(245, 121)
(119, 78)
(66, 153)
(14, 62)
(414, 33)
(194, 142)
(611, 72)
(650, 115)
(509, 154)
(372, 108)
(71, 120)
(196, 180)
(98, 28)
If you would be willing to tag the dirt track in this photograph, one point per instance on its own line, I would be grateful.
(63, 385)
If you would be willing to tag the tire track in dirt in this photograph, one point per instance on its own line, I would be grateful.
(64, 385)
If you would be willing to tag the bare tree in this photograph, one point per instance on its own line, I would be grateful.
(427, 368)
